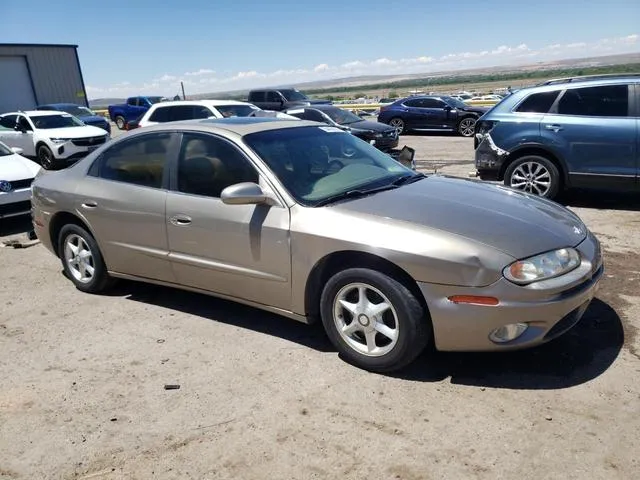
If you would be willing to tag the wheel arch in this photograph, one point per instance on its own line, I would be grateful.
(61, 219)
(541, 151)
(335, 262)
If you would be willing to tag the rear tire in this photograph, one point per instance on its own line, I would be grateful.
(82, 260)
(120, 122)
(374, 321)
(534, 174)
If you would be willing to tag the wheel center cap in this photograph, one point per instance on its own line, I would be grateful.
(363, 320)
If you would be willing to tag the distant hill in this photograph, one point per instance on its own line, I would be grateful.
(99, 103)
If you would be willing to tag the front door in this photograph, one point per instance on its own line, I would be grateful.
(123, 200)
(591, 128)
(237, 250)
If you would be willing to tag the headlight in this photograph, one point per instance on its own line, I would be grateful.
(60, 140)
(543, 266)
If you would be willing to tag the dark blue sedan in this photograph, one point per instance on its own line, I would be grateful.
(431, 113)
(83, 113)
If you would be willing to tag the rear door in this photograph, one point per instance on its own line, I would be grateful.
(8, 133)
(436, 115)
(414, 115)
(593, 129)
(123, 200)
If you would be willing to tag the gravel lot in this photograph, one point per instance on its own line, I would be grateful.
(264, 397)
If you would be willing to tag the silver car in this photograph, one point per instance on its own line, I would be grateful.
(310, 222)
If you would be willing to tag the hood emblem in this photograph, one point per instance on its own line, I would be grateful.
(5, 186)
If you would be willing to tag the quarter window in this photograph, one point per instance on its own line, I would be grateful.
(538, 102)
(273, 97)
(8, 121)
(207, 165)
(605, 101)
(140, 161)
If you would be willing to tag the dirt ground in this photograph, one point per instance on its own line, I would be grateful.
(263, 397)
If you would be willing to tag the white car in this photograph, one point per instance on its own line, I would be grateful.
(55, 139)
(193, 109)
(16, 175)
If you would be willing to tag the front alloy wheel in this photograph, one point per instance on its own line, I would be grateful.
(467, 127)
(374, 321)
(533, 174)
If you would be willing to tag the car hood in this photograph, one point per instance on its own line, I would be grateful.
(515, 223)
(73, 132)
(369, 126)
(93, 119)
(16, 167)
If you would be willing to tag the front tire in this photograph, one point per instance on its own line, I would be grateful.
(120, 122)
(82, 260)
(374, 321)
(46, 158)
(534, 174)
(467, 127)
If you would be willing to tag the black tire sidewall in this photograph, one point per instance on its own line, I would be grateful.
(52, 163)
(100, 278)
(548, 164)
(413, 320)
(117, 120)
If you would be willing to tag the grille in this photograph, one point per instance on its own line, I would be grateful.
(18, 184)
(88, 141)
(10, 209)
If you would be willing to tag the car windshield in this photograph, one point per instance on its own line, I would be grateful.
(236, 110)
(78, 111)
(454, 102)
(56, 121)
(4, 150)
(293, 95)
(340, 116)
(318, 163)
(153, 100)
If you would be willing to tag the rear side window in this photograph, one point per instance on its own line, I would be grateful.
(140, 161)
(273, 97)
(538, 102)
(160, 114)
(605, 101)
(256, 96)
(181, 112)
(133, 101)
(8, 121)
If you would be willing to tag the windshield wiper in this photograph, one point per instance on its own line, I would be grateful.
(405, 180)
(353, 194)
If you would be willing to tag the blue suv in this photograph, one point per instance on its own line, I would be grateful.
(573, 132)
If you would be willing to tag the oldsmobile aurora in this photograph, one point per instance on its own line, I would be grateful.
(272, 213)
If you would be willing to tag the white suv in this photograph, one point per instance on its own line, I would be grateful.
(193, 109)
(55, 139)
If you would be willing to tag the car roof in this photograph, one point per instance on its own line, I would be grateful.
(561, 84)
(37, 113)
(239, 125)
(61, 105)
(208, 103)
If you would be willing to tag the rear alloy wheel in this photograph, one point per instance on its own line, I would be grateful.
(120, 122)
(46, 158)
(467, 127)
(373, 320)
(533, 174)
(398, 124)
(82, 260)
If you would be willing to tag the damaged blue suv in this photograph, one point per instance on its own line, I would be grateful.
(580, 132)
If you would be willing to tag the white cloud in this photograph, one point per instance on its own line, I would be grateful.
(201, 81)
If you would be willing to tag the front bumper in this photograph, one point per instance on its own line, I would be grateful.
(15, 203)
(489, 158)
(69, 151)
(549, 308)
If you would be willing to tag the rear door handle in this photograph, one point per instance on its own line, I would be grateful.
(553, 127)
(89, 204)
(180, 220)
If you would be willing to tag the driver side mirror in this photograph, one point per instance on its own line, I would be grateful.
(246, 193)
(20, 128)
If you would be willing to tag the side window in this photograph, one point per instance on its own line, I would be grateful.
(273, 96)
(415, 102)
(160, 114)
(207, 165)
(202, 112)
(257, 96)
(314, 115)
(8, 121)
(133, 101)
(181, 112)
(140, 161)
(538, 102)
(606, 101)
(24, 123)
(432, 103)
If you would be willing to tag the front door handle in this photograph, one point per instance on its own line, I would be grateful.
(180, 220)
(553, 127)
(89, 204)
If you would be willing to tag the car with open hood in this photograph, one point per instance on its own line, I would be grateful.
(310, 222)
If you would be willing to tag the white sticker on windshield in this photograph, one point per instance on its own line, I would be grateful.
(65, 115)
(297, 110)
(331, 129)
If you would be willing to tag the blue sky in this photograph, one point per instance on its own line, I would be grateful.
(141, 46)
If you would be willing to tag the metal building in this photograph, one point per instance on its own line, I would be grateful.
(33, 74)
